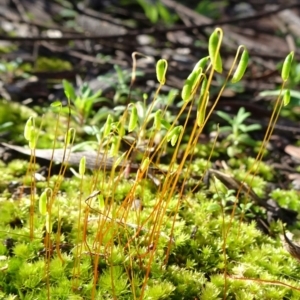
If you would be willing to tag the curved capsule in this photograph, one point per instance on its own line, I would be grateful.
(145, 164)
(214, 50)
(30, 132)
(201, 63)
(114, 146)
(202, 111)
(82, 165)
(161, 70)
(241, 68)
(43, 201)
(70, 134)
(29, 128)
(202, 102)
(190, 85)
(286, 97)
(133, 120)
(157, 120)
(203, 86)
(285, 73)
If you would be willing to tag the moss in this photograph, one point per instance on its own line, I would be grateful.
(20, 167)
(288, 199)
(182, 242)
(52, 64)
(196, 260)
(249, 164)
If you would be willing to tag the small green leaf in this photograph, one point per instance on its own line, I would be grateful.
(252, 127)
(152, 13)
(224, 116)
(241, 116)
(246, 139)
(164, 13)
(225, 129)
(69, 90)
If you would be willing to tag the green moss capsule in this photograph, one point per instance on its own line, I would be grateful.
(133, 120)
(114, 147)
(101, 202)
(44, 200)
(157, 120)
(29, 128)
(285, 73)
(119, 159)
(286, 97)
(202, 111)
(190, 85)
(201, 63)
(174, 135)
(82, 165)
(145, 164)
(161, 70)
(48, 223)
(214, 45)
(241, 68)
(70, 136)
(30, 132)
(203, 86)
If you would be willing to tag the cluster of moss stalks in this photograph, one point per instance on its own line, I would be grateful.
(117, 234)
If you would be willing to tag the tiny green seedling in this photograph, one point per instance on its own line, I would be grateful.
(238, 131)
(82, 102)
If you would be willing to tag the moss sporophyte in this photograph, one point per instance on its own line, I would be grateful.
(145, 213)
